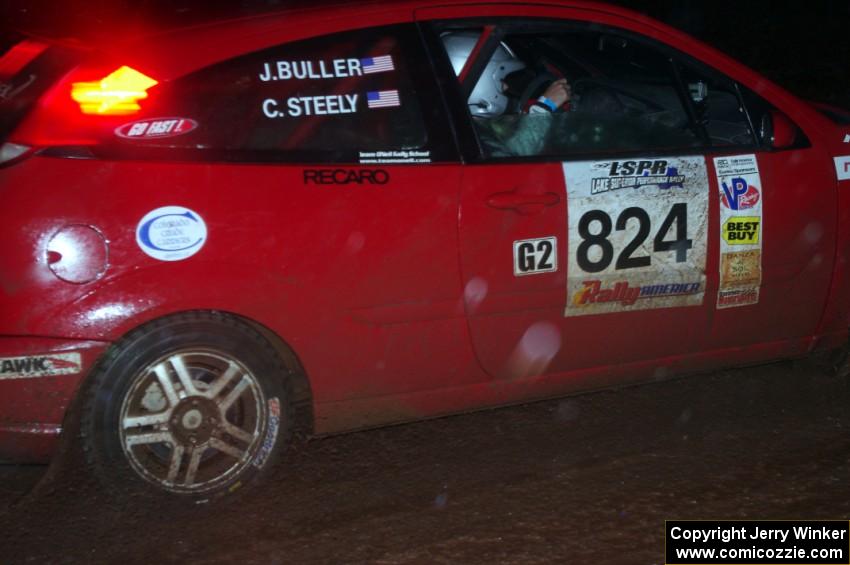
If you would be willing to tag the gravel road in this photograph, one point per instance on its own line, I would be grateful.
(578, 480)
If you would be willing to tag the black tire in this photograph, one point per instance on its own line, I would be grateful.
(194, 406)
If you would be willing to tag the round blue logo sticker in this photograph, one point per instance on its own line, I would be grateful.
(171, 233)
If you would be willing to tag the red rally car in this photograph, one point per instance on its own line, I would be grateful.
(369, 213)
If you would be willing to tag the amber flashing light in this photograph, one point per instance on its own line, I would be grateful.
(117, 94)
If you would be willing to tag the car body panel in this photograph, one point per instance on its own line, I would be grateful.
(398, 298)
(33, 398)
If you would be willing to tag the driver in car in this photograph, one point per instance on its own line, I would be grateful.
(510, 121)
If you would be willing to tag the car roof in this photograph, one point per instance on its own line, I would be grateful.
(201, 44)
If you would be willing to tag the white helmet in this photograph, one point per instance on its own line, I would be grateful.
(487, 98)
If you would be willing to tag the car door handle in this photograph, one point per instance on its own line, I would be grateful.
(522, 202)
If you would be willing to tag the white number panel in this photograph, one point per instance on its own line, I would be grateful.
(636, 233)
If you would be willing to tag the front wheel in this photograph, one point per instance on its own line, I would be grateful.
(193, 405)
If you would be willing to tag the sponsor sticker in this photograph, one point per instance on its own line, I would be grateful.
(637, 234)
(731, 297)
(156, 128)
(842, 167)
(740, 268)
(741, 222)
(847, 138)
(394, 157)
(741, 230)
(535, 256)
(593, 292)
(171, 233)
(47, 365)
(271, 433)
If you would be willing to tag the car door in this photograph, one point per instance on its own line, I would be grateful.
(598, 256)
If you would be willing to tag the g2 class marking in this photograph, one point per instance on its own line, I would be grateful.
(535, 256)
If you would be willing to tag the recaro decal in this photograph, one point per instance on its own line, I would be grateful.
(47, 365)
(740, 235)
(637, 234)
(156, 128)
(171, 233)
(346, 176)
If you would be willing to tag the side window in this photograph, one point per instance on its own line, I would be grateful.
(343, 97)
(718, 107)
(619, 93)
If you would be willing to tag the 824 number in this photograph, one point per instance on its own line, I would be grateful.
(677, 215)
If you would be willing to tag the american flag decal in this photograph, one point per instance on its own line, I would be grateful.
(377, 64)
(382, 98)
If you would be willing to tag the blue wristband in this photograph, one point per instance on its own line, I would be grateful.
(548, 103)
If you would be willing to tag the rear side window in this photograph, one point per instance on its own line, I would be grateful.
(348, 97)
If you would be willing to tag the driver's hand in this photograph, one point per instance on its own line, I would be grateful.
(559, 92)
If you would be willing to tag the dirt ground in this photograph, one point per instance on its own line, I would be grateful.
(578, 480)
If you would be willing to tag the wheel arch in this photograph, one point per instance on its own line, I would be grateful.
(300, 384)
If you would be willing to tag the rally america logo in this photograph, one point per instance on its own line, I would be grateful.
(40, 365)
(592, 292)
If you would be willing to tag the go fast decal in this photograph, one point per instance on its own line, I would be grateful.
(740, 230)
(637, 233)
(171, 233)
(156, 128)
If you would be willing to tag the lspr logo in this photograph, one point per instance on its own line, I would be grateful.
(740, 195)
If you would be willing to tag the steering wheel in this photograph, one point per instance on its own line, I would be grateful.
(541, 79)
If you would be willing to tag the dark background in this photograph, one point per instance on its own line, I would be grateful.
(803, 46)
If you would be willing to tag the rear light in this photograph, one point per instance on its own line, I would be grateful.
(115, 95)
(85, 105)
